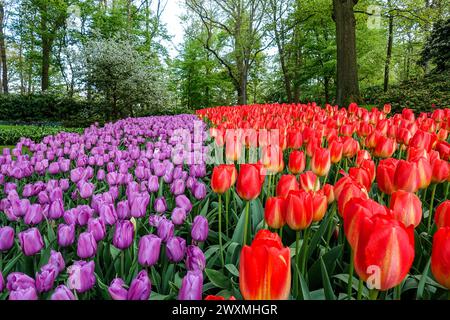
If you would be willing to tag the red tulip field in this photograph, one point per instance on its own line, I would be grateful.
(252, 202)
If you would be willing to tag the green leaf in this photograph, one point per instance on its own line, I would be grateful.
(305, 294)
(217, 278)
(328, 290)
(423, 281)
(204, 210)
(233, 270)
(330, 258)
(12, 263)
(318, 235)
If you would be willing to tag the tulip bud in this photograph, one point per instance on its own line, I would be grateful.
(191, 286)
(140, 287)
(328, 190)
(440, 171)
(299, 210)
(336, 149)
(183, 202)
(442, 215)
(249, 182)
(286, 183)
(195, 258)
(57, 260)
(123, 234)
(200, 229)
(309, 181)
(178, 216)
(117, 290)
(274, 212)
(31, 241)
(220, 179)
(175, 249)
(440, 257)
(321, 162)
(97, 228)
(320, 205)
(160, 205)
(81, 276)
(107, 213)
(165, 229)
(406, 176)
(46, 278)
(87, 246)
(6, 238)
(66, 235)
(297, 162)
(264, 268)
(34, 215)
(149, 248)
(406, 207)
(62, 293)
(123, 210)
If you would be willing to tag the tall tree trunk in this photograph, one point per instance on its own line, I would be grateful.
(347, 88)
(46, 52)
(388, 53)
(3, 50)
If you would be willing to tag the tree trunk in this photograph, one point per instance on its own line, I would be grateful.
(46, 52)
(388, 53)
(326, 86)
(347, 88)
(3, 51)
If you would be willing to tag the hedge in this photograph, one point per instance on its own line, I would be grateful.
(10, 135)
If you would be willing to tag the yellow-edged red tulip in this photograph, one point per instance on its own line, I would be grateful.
(274, 212)
(297, 162)
(249, 182)
(321, 162)
(265, 268)
(442, 215)
(440, 257)
(406, 207)
(299, 210)
(286, 183)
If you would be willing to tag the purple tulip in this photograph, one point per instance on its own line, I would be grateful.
(81, 276)
(191, 286)
(176, 249)
(34, 215)
(153, 184)
(117, 290)
(177, 187)
(18, 280)
(178, 216)
(140, 287)
(55, 194)
(160, 205)
(86, 190)
(139, 205)
(199, 190)
(84, 214)
(43, 197)
(56, 259)
(200, 229)
(159, 168)
(154, 220)
(31, 241)
(123, 234)
(20, 207)
(97, 228)
(101, 175)
(123, 210)
(29, 293)
(46, 278)
(56, 210)
(6, 238)
(62, 293)
(195, 258)
(66, 235)
(28, 191)
(183, 202)
(165, 229)
(87, 246)
(149, 248)
(71, 216)
(108, 214)
(64, 184)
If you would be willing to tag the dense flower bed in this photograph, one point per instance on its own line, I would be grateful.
(285, 202)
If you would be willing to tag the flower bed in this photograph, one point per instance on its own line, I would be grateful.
(284, 202)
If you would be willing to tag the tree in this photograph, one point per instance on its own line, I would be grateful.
(437, 47)
(124, 77)
(241, 23)
(347, 87)
(3, 49)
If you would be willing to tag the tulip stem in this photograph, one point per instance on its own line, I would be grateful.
(122, 263)
(227, 202)
(446, 189)
(305, 251)
(220, 230)
(247, 209)
(350, 276)
(360, 288)
(331, 223)
(373, 294)
(430, 212)
(297, 261)
(280, 232)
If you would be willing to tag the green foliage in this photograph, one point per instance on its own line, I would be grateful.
(437, 47)
(10, 135)
(421, 95)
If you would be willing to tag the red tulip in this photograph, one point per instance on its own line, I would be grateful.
(442, 214)
(350, 190)
(218, 298)
(297, 162)
(320, 162)
(328, 190)
(249, 183)
(406, 176)
(385, 147)
(320, 205)
(299, 210)
(294, 139)
(440, 257)
(309, 181)
(233, 146)
(220, 179)
(385, 175)
(335, 151)
(440, 170)
(362, 176)
(286, 183)
(423, 139)
(385, 251)
(265, 268)
(361, 156)
(274, 212)
(443, 148)
(272, 158)
(355, 211)
(406, 207)
(350, 147)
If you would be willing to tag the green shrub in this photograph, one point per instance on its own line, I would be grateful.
(421, 95)
(10, 135)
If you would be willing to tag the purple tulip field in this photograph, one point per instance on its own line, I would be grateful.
(117, 212)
